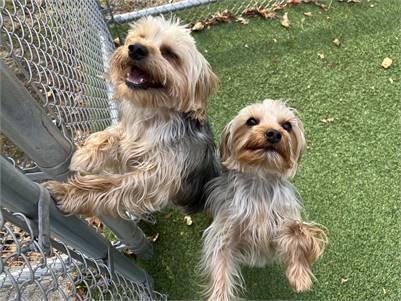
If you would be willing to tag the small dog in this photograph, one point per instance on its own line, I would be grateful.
(161, 151)
(257, 216)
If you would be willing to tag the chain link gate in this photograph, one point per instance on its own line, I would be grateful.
(54, 93)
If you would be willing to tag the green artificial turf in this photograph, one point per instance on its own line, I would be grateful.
(349, 176)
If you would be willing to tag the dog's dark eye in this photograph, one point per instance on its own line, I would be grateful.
(252, 121)
(168, 54)
(287, 126)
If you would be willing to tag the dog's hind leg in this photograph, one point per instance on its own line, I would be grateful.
(298, 245)
(219, 264)
(99, 150)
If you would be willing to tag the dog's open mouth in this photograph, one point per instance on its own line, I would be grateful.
(140, 79)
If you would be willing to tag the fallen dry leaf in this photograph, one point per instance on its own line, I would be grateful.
(153, 237)
(384, 291)
(293, 2)
(344, 280)
(188, 220)
(285, 22)
(337, 42)
(168, 215)
(198, 26)
(391, 80)
(327, 120)
(117, 42)
(387, 63)
(128, 252)
(308, 14)
(261, 12)
(274, 40)
(242, 20)
(321, 56)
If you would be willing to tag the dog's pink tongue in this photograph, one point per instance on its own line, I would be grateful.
(137, 76)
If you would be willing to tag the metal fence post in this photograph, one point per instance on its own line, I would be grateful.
(20, 194)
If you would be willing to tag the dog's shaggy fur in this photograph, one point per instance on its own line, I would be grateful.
(161, 152)
(257, 215)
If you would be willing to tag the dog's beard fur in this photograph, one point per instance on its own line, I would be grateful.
(162, 149)
(257, 215)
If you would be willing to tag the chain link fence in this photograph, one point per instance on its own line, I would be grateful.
(59, 49)
(30, 272)
(189, 11)
(53, 61)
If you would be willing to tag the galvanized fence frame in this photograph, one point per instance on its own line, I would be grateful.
(194, 10)
(53, 91)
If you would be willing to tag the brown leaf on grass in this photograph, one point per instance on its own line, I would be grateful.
(117, 42)
(224, 16)
(198, 26)
(168, 215)
(344, 280)
(285, 22)
(387, 62)
(188, 220)
(327, 120)
(242, 20)
(391, 80)
(321, 56)
(308, 14)
(153, 237)
(293, 2)
(261, 12)
(128, 252)
(337, 42)
(94, 221)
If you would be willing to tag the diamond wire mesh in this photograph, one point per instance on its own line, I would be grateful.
(27, 272)
(196, 9)
(59, 50)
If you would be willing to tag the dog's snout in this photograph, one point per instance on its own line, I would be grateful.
(273, 136)
(137, 51)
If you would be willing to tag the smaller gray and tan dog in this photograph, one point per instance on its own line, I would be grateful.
(256, 212)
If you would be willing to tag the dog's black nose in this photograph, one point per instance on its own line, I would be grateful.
(137, 51)
(273, 136)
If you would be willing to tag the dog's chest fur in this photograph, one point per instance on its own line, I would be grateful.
(172, 146)
(256, 207)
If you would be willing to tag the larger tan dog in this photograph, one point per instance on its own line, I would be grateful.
(161, 152)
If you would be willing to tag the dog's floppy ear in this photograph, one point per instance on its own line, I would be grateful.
(206, 84)
(225, 138)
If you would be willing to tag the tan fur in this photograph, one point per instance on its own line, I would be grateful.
(138, 164)
(256, 213)
(241, 146)
(299, 245)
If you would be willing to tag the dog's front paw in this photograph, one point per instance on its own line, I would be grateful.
(58, 191)
(63, 193)
(299, 277)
